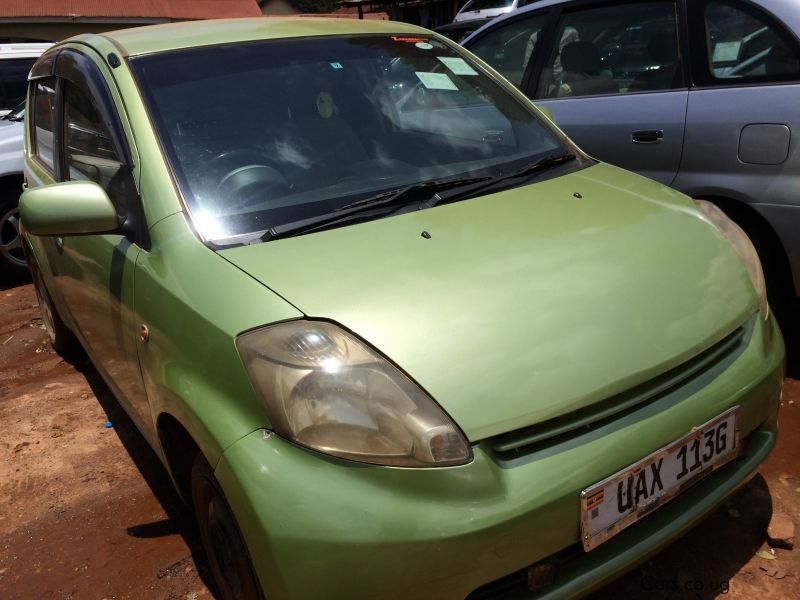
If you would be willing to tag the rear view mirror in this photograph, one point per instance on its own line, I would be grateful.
(70, 208)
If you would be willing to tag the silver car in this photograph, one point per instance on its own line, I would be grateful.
(702, 95)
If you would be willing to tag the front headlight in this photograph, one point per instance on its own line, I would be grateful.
(743, 246)
(326, 390)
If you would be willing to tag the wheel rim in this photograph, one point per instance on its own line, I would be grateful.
(10, 240)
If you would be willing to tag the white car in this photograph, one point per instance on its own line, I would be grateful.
(16, 61)
(487, 9)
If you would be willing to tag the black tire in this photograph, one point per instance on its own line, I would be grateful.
(12, 259)
(222, 541)
(61, 338)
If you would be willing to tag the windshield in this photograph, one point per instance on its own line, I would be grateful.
(267, 133)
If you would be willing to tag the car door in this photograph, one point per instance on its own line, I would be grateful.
(622, 96)
(613, 77)
(743, 115)
(94, 274)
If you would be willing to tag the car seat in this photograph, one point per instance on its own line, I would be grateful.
(324, 138)
(583, 72)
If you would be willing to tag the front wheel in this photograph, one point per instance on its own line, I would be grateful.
(222, 541)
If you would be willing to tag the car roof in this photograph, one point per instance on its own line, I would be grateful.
(785, 10)
(190, 34)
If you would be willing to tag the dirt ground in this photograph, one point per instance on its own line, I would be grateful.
(87, 511)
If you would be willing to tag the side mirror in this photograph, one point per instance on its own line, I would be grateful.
(70, 208)
(547, 112)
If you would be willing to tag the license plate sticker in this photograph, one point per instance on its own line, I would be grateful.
(617, 502)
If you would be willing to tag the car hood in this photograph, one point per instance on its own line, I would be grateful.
(11, 146)
(11, 129)
(527, 304)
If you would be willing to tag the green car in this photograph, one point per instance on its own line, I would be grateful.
(390, 331)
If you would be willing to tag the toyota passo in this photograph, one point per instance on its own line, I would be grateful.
(391, 332)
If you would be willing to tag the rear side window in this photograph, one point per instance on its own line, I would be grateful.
(14, 81)
(44, 101)
(745, 44)
(509, 48)
(613, 50)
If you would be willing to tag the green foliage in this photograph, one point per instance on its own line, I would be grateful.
(315, 6)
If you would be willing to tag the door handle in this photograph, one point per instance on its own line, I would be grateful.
(647, 136)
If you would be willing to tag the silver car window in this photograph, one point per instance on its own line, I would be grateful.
(613, 50)
(508, 48)
(743, 44)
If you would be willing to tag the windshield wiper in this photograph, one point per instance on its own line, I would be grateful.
(403, 193)
(361, 208)
(529, 169)
(464, 186)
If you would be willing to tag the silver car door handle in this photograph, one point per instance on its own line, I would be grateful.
(647, 136)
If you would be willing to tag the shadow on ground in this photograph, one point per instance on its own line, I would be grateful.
(8, 282)
(180, 518)
(701, 564)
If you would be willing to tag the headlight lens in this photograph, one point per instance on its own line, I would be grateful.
(743, 246)
(324, 389)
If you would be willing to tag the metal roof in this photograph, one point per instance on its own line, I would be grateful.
(125, 9)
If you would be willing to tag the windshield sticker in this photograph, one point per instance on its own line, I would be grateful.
(410, 40)
(337, 65)
(436, 81)
(424, 46)
(458, 66)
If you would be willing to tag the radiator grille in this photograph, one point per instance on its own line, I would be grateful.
(582, 420)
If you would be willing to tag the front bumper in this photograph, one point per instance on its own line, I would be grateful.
(319, 527)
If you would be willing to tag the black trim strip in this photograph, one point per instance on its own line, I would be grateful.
(591, 416)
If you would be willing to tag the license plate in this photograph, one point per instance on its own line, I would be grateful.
(617, 502)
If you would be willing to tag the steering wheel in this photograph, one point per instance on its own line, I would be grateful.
(247, 180)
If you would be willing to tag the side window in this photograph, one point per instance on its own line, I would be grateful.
(508, 49)
(14, 81)
(614, 50)
(44, 101)
(743, 44)
(88, 146)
